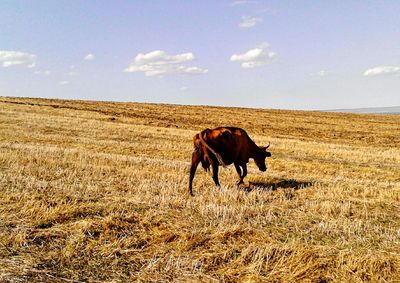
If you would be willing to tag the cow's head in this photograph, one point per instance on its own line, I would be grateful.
(260, 156)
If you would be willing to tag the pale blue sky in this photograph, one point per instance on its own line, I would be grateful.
(264, 54)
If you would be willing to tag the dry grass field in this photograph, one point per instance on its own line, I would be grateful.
(96, 192)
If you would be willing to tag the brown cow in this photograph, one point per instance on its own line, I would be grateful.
(224, 146)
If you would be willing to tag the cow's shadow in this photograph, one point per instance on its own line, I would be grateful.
(276, 184)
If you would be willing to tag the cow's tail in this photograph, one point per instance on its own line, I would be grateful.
(219, 158)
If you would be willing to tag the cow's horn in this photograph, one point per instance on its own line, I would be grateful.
(268, 145)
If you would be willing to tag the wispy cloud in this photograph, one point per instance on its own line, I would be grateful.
(63, 82)
(241, 2)
(159, 63)
(249, 22)
(72, 71)
(10, 58)
(44, 72)
(321, 73)
(382, 70)
(255, 57)
(89, 57)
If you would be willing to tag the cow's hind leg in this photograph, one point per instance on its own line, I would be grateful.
(196, 157)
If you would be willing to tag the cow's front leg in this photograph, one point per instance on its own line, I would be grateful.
(239, 171)
(244, 174)
(215, 174)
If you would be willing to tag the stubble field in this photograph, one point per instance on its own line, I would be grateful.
(96, 191)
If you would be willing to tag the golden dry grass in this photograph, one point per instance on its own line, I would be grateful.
(96, 191)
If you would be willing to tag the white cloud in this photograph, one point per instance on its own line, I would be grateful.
(255, 57)
(159, 63)
(63, 82)
(242, 2)
(382, 70)
(183, 88)
(89, 57)
(10, 58)
(249, 22)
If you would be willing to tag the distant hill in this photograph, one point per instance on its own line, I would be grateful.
(372, 110)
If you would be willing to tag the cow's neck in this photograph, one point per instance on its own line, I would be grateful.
(254, 149)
